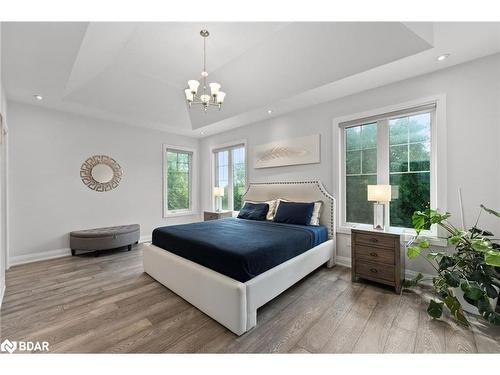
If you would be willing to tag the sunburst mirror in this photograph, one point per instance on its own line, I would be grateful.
(101, 173)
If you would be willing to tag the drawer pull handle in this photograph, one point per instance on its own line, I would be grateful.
(374, 239)
(374, 254)
(374, 270)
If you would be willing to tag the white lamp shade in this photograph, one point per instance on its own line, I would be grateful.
(193, 85)
(214, 88)
(218, 191)
(189, 95)
(379, 193)
(220, 97)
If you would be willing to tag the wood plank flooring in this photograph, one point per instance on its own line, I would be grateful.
(108, 304)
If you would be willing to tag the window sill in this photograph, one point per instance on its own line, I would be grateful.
(406, 235)
(180, 213)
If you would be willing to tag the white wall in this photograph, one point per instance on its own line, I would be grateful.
(3, 198)
(48, 199)
(473, 131)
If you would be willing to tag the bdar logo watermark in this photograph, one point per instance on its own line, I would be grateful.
(24, 346)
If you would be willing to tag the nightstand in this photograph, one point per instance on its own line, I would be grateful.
(214, 215)
(377, 256)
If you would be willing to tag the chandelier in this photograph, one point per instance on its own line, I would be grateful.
(215, 97)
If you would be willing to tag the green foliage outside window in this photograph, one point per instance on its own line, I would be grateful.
(178, 180)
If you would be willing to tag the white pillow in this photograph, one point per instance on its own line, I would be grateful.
(316, 214)
(272, 208)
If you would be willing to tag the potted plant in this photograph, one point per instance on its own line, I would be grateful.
(467, 278)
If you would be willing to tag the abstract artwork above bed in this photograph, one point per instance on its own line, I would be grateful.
(293, 151)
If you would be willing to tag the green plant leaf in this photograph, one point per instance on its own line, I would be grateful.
(413, 251)
(453, 240)
(434, 255)
(452, 278)
(481, 232)
(418, 220)
(446, 262)
(472, 291)
(435, 309)
(481, 245)
(424, 244)
(456, 309)
(491, 292)
(492, 258)
(414, 281)
(494, 318)
(490, 211)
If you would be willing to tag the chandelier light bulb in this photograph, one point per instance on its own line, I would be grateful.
(193, 85)
(189, 95)
(214, 88)
(220, 97)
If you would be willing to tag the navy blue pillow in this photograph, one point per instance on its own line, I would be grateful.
(254, 211)
(294, 213)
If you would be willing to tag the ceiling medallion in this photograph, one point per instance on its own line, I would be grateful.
(215, 97)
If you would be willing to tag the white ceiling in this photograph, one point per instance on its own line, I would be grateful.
(135, 73)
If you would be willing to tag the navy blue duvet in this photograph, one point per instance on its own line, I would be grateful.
(238, 248)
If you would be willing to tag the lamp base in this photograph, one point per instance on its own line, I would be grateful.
(379, 216)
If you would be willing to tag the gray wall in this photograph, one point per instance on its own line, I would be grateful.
(473, 130)
(48, 199)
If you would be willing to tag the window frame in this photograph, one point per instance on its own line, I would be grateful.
(192, 174)
(225, 147)
(437, 162)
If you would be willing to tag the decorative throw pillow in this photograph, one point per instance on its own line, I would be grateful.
(272, 208)
(254, 211)
(318, 205)
(294, 213)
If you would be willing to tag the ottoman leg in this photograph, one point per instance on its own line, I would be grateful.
(129, 247)
(73, 252)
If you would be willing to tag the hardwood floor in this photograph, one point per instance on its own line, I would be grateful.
(108, 304)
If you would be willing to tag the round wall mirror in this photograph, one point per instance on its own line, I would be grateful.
(101, 173)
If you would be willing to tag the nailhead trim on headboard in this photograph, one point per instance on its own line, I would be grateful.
(322, 189)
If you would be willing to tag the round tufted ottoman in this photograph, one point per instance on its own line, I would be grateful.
(104, 238)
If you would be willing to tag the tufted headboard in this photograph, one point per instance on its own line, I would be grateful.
(298, 191)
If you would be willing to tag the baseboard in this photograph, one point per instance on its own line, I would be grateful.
(144, 239)
(52, 254)
(409, 274)
(37, 257)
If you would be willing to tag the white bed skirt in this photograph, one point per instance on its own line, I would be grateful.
(232, 303)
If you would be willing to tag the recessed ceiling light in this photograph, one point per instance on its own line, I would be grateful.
(270, 111)
(38, 97)
(443, 57)
(202, 133)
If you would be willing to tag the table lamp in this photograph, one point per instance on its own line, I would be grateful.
(218, 194)
(380, 194)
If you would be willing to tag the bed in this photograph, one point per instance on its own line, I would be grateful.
(229, 278)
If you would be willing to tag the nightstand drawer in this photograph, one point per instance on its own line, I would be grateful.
(375, 271)
(375, 254)
(375, 240)
(210, 216)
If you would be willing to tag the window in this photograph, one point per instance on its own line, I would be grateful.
(230, 173)
(178, 181)
(394, 149)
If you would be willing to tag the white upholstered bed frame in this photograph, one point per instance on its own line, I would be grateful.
(232, 303)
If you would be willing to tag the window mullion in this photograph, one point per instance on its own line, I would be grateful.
(230, 202)
(383, 176)
(383, 152)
